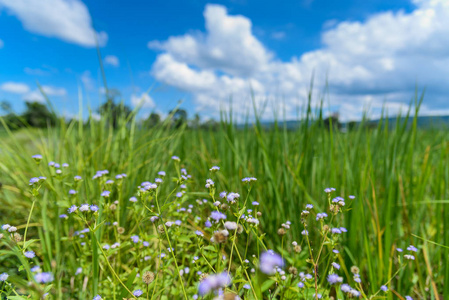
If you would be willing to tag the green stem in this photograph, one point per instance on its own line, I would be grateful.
(28, 222)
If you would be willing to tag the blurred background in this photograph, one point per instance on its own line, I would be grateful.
(353, 57)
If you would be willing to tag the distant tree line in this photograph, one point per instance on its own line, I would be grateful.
(38, 115)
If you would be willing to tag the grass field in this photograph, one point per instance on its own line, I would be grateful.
(399, 177)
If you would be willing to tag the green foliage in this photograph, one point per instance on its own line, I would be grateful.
(399, 176)
(35, 115)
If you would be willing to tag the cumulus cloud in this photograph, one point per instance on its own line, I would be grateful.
(228, 45)
(144, 100)
(36, 95)
(68, 20)
(15, 87)
(367, 64)
(112, 60)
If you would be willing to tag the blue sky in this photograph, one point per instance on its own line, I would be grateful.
(371, 54)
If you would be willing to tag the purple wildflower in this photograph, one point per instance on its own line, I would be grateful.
(269, 260)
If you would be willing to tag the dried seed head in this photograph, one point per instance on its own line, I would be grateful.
(160, 228)
(239, 229)
(281, 231)
(355, 270)
(334, 208)
(224, 206)
(230, 296)
(259, 214)
(326, 228)
(203, 275)
(121, 230)
(293, 270)
(17, 237)
(297, 248)
(221, 236)
(112, 207)
(148, 277)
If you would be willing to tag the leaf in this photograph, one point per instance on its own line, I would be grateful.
(210, 248)
(129, 283)
(28, 243)
(184, 239)
(266, 285)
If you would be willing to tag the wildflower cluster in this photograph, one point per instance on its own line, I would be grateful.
(161, 236)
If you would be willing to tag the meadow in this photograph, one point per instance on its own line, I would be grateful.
(131, 212)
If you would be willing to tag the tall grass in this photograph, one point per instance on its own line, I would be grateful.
(399, 175)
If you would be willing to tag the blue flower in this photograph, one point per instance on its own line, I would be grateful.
(34, 180)
(384, 288)
(97, 297)
(43, 277)
(208, 224)
(246, 286)
(269, 260)
(345, 288)
(412, 248)
(334, 279)
(214, 282)
(217, 216)
(336, 266)
(249, 180)
(29, 254)
(300, 285)
(175, 158)
(199, 233)
(137, 293)
(105, 194)
(321, 216)
(135, 239)
(3, 277)
(63, 216)
(94, 208)
(214, 169)
(72, 209)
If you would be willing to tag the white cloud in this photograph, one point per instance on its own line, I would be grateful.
(229, 45)
(367, 64)
(88, 81)
(1, 44)
(144, 100)
(112, 60)
(36, 95)
(15, 87)
(44, 71)
(68, 20)
(278, 35)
